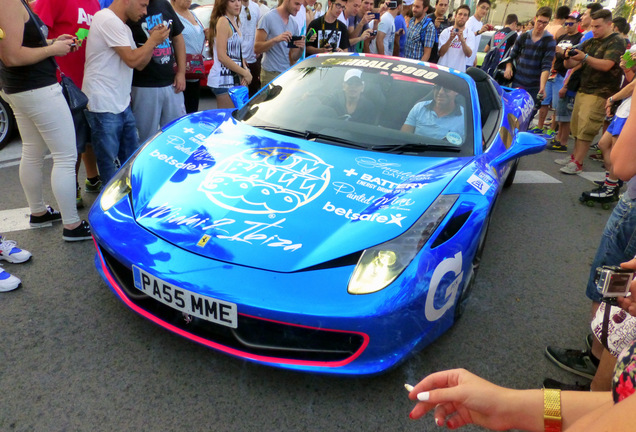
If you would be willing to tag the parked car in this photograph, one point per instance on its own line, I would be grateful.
(486, 37)
(290, 235)
(8, 126)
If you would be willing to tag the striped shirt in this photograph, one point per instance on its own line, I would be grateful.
(532, 59)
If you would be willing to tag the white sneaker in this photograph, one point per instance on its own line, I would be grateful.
(564, 161)
(8, 282)
(9, 251)
(571, 168)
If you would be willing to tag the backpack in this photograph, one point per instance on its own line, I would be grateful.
(493, 57)
(427, 21)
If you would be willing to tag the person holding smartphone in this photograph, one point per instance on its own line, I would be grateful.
(385, 38)
(332, 34)
(456, 42)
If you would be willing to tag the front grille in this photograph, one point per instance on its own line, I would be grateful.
(252, 335)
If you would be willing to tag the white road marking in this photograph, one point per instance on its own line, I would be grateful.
(534, 177)
(593, 175)
(14, 220)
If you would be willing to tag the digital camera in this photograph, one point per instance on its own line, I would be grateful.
(613, 281)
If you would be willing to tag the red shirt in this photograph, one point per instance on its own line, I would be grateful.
(72, 17)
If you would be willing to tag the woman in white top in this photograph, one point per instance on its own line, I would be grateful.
(229, 68)
(194, 37)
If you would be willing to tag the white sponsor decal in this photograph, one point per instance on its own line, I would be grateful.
(381, 202)
(179, 144)
(380, 184)
(450, 265)
(480, 181)
(267, 180)
(373, 217)
(250, 232)
(179, 165)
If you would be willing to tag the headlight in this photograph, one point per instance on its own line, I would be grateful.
(380, 265)
(117, 188)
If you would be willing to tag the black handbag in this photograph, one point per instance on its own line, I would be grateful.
(76, 99)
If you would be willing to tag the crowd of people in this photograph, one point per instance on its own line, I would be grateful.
(131, 57)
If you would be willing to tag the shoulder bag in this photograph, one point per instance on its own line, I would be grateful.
(76, 99)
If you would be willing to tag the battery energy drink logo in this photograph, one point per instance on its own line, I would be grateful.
(267, 180)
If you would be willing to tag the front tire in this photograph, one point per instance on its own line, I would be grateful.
(7, 124)
(511, 175)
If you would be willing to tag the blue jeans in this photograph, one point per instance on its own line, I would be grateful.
(114, 139)
(618, 242)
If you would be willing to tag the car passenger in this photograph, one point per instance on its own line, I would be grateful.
(440, 118)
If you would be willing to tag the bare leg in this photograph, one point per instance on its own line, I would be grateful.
(603, 378)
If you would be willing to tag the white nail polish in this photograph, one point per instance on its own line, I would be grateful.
(408, 387)
(423, 397)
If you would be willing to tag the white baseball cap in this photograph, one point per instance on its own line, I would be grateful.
(353, 73)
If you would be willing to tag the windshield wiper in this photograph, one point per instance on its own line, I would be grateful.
(284, 131)
(310, 135)
(415, 147)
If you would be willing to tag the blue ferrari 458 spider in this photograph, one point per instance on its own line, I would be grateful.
(333, 223)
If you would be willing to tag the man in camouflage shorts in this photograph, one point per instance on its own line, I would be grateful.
(599, 59)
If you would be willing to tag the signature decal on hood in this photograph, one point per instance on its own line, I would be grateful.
(250, 232)
(267, 180)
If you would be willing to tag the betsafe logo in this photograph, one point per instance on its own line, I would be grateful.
(373, 217)
(179, 165)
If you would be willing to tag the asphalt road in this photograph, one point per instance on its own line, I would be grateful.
(73, 358)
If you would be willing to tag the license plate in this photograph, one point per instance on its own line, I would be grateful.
(207, 308)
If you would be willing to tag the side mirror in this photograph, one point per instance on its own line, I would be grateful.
(525, 143)
(239, 96)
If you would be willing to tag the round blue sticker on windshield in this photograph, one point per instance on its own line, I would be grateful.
(454, 138)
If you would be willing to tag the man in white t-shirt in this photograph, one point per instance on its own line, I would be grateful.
(456, 42)
(477, 28)
(111, 55)
(385, 39)
(303, 17)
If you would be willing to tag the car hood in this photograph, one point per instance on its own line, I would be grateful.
(242, 195)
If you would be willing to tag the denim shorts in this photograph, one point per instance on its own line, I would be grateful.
(618, 242)
(218, 91)
(616, 126)
(564, 109)
(552, 88)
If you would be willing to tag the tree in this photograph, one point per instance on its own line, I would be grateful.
(507, 2)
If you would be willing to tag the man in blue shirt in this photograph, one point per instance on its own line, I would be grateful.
(440, 118)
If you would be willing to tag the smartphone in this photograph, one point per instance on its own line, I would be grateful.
(376, 15)
(391, 4)
(169, 24)
(310, 33)
(629, 62)
(290, 44)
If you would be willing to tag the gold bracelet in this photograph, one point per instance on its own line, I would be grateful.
(552, 410)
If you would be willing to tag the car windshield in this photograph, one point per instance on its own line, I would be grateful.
(381, 104)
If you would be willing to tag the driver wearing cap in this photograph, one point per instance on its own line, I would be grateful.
(351, 104)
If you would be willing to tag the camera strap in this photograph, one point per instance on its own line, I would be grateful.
(606, 316)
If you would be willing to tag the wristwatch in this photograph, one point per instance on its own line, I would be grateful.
(552, 410)
(610, 99)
